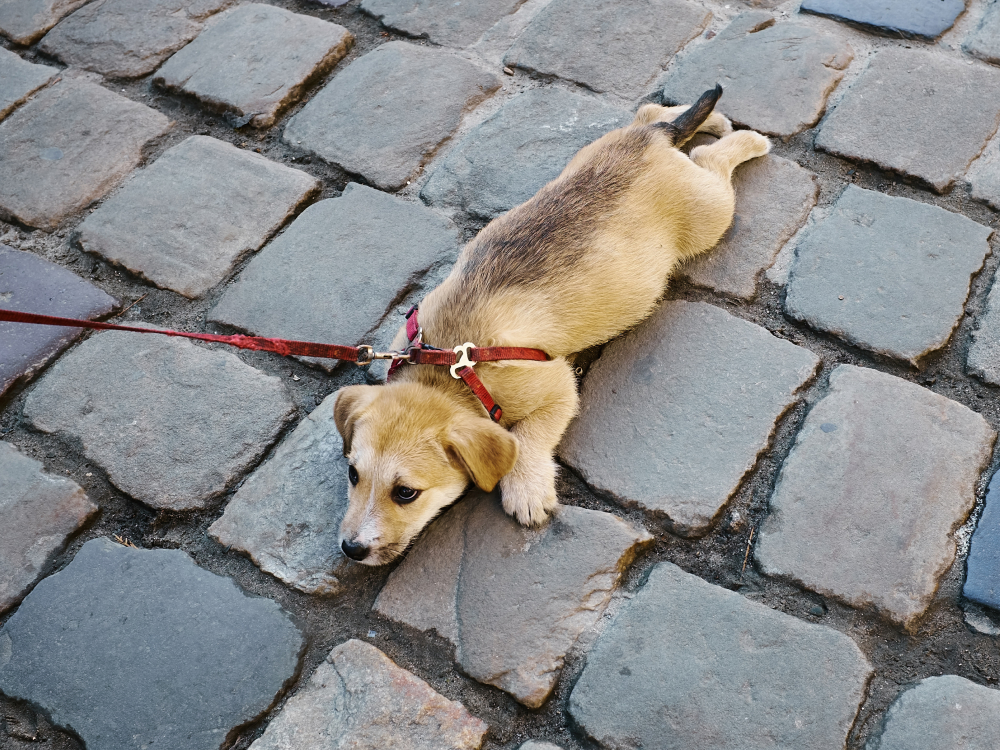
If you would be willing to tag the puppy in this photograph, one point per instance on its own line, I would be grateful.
(585, 259)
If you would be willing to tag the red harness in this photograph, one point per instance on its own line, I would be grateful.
(460, 359)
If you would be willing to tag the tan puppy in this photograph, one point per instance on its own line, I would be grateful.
(585, 259)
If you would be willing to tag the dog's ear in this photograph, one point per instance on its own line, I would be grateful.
(351, 402)
(484, 449)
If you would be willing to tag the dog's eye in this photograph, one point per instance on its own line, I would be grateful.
(404, 495)
(352, 474)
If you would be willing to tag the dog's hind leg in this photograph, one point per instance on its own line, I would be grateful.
(688, 119)
(723, 156)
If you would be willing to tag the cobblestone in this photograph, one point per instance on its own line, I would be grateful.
(706, 412)
(887, 274)
(441, 21)
(512, 600)
(184, 222)
(77, 140)
(924, 19)
(984, 41)
(864, 509)
(687, 664)
(387, 112)
(19, 79)
(982, 580)
(776, 77)
(133, 648)
(984, 351)
(24, 21)
(984, 175)
(535, 745)
(255, 60)
(607, 45)
(883, 118)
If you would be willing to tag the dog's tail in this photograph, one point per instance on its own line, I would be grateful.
(687, 124)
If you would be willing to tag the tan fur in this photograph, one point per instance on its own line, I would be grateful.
(585, 259)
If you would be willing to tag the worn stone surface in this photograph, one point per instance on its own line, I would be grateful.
(19, 79)
(984, 351)
(127, 397)
(605, 45)
(185, 221)
(128, 38)
(505, 160)
(926, 19)
(24, 21)
(885, 273)
(387, 112)
(982, 580)
(336, 271)
(77, 140)
(255, 60)
(773, 199)
(362, 699)
(686, 664)
(674, 414)
(136, 648)
(441, 21)
(883, 118)
(38, 512)
(31, 284)
(536, 745)
(941, 713)
(287, 514)
(867, 502)
(513, 600)
(776, 77)
(984, 175)
(984, 41)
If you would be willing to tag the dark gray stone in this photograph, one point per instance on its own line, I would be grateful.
(941, 713)
(513, 600)
(255, 60)
(337, 270)
(686, 664)
(185, 221)
(984, 174)
(884, 116)
(606, 45)
(24, 21)
(984, 42)
(924, 19)
(77, 140)
(134, 648)
(886, 274)
(30, 284)
(173, 424)
(386, 113)
(128, 38)
(441, 21)
(674, 414)
(984, 351)
(864, 509)
(19, 79)
(361, 698)
(982, 580)
(776, 77)
(38, 512)
(504, 161)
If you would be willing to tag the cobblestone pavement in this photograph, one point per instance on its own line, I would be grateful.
(778, 526)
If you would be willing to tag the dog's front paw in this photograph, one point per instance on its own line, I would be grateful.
(530, 495)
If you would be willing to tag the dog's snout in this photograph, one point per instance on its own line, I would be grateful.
(354, 550)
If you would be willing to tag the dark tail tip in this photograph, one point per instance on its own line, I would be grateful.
(688, 123)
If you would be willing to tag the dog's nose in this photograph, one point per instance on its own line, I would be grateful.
(353, 550)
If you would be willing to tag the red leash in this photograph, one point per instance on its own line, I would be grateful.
(461, 359)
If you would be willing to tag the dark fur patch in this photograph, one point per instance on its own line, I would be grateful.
(687, 124)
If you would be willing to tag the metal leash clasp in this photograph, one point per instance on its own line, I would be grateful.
(370, 355)
(462, 350)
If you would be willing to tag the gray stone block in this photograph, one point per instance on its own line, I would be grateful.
(674, 414)
(984, 351)
(773, 199)
(173, 424)
(77, 140)
(128, 38)
(606, 45)
(885, 116)
(38, 512)
(134, 648)
(886, 274)
(386, 113)
(31, 284)
(255, 60)
(19, 79)
(441, 21)
(536, 745)
(338, 269)
(941, 713)
(513, 600)
(686, 664)
(881, 474)
(185, 221)
(361, 698)
(776, 77)
(984, 175)
(924, 19)
(24, 21)
(504, 161)
(984, 41)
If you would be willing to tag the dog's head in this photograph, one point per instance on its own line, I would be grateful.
(412, 451)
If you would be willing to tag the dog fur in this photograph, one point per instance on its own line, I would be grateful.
(585, 259)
